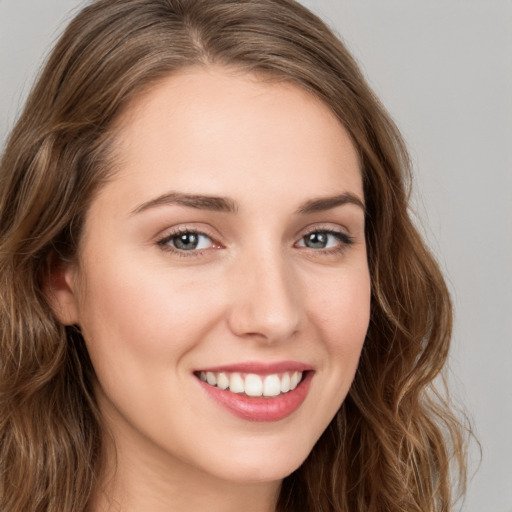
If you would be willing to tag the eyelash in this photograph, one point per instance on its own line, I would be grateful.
(163, 243)
(344, 239)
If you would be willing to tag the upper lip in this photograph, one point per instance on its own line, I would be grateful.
(260, 367)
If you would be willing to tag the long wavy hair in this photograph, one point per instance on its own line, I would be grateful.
(395, 445)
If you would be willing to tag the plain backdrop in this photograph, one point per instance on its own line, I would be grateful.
(443, 68)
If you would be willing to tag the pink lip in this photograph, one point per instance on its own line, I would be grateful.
(260, 368)
(260, 408)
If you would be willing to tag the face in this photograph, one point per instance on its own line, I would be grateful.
(222, 286)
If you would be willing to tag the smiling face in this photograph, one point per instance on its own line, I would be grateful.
(229, 248)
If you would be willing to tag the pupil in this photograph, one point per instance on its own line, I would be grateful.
(186, 241)
(316, 240)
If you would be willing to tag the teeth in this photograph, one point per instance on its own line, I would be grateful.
(222, 381)
(271, 385)
(294, 380)
(253, 384)
(236, 383)
(285, 383)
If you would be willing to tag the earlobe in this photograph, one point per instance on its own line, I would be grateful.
(60, 289)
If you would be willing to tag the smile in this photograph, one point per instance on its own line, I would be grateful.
(258, 392)
(252, 384)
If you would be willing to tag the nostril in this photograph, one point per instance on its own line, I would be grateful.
(253, 322)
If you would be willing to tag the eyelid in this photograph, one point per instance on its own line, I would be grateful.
(192, 227)
(163, 239)
(335, 229)
(345, 239)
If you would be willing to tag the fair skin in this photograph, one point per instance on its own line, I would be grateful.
(168, 285)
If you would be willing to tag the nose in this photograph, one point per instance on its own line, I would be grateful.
(266, 303)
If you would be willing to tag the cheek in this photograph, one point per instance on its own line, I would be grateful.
(150, 313)
(342, 308)
(341, 313)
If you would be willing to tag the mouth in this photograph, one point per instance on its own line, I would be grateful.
(258, 392)
(252, 384)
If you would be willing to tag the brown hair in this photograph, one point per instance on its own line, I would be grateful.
(392, 443)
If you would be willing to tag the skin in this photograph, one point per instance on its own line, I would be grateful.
(151, 316)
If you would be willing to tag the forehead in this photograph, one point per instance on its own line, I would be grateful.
(223, 131)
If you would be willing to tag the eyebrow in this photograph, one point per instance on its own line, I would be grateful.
(226, 205)
(328, 203)
(201, 202)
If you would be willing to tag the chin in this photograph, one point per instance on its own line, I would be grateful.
(266, 467)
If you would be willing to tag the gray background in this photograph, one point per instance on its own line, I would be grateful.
(443, 68)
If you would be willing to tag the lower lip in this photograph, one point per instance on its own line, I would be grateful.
(260, 408)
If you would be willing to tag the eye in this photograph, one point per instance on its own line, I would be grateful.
(187, 241)
(320, 240)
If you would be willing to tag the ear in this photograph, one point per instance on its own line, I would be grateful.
(61, 290)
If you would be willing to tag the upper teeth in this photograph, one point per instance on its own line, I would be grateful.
(252, 384)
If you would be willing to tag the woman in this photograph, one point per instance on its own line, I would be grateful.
(212, 293)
